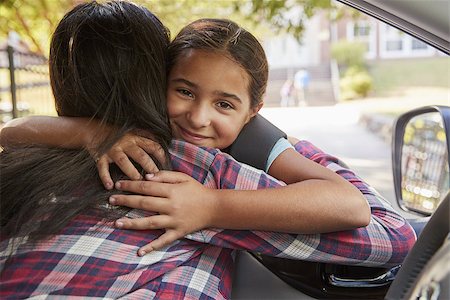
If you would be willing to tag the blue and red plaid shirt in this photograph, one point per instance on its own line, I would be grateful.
(90, 258)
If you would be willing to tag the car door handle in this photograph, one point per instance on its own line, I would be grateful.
(381, 280)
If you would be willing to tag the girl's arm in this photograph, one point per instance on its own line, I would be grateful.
(316, 200)
(74, 133)
(314, 193)
(70, 133)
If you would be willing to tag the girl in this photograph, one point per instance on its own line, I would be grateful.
(218, 75)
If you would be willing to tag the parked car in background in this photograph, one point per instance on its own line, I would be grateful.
(420, 148)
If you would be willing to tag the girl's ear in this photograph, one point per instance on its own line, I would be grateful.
(253, 111)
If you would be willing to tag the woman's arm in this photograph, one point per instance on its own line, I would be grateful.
(307, 207)
(384, 242)
(318, 201)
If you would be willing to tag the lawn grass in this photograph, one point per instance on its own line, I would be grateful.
(391, 75)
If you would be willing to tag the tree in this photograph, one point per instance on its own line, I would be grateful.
(284, 15)
(35, 20)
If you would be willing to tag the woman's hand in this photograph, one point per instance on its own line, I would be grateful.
(184, 206)
(129, 146)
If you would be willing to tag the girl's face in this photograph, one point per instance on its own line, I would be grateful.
(208, 99)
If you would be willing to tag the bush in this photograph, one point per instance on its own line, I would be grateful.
(356, 83)
(348, 54)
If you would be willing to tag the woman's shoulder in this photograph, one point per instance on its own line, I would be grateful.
(179, 147)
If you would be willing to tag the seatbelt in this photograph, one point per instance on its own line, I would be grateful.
(254, 143)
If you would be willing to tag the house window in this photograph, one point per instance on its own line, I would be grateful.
(418, 45)
(363, 31)
(394, 45)
(393, 42)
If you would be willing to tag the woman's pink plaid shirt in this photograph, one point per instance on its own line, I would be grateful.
(93, 259)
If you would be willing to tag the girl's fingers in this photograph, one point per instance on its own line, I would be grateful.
(124, 163)
(156, 189)
(167, 177)
(103, 172)
(166, 239)
(147, 203)
(143, 159)
(153, 222)
(153, 148)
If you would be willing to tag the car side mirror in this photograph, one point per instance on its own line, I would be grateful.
(420, 159)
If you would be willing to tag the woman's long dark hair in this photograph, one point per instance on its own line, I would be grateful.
(107, 62)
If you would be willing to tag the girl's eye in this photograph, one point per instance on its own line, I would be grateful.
(224, 105)
(186, 93)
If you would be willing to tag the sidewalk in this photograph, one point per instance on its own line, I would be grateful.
(378, 115)
(379, 124)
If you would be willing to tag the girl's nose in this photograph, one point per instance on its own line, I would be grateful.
(199, 116)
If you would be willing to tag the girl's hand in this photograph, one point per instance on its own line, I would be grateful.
(184, 206)
(129, 146)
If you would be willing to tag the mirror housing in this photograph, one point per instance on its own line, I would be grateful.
(399, 158)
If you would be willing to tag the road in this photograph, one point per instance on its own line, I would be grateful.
(335, 130)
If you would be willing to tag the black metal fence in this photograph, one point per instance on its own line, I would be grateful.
(24, 85)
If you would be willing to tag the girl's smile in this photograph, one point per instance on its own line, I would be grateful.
(189, 136)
